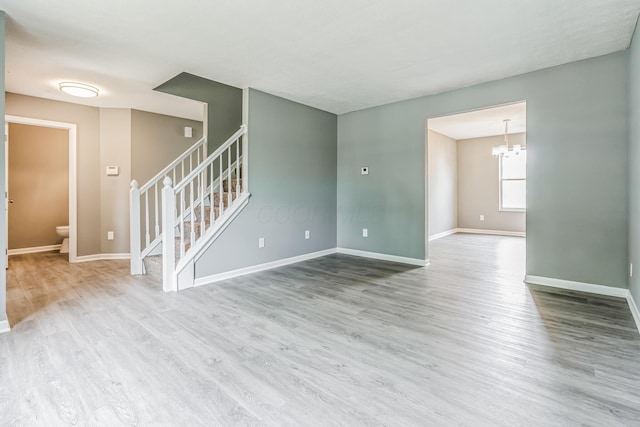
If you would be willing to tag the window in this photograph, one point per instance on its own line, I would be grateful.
(513, 182)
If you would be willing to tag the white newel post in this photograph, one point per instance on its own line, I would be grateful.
(168, 236)
(134, 228)
(245, 160)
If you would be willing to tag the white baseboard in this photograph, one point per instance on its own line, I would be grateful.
(577, 286)
(491, 232)
(260, 267)
(590, 288)
(384, 257)
(33, 250)
(634, 310)
(443, 234)
(4, 326)
(100, 257)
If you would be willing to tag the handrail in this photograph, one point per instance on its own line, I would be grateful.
(201, 203)
(205, 163)
(145, 201)
(173, 164)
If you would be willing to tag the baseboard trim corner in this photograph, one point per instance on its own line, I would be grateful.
(443, 234)
(33, 250)
(491, 232)
(384, 257)
(577, 286)
(4, 326)
(206, 280)
(634, 309)
(102, 257)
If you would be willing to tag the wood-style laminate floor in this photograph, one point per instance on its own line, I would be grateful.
(338, 340)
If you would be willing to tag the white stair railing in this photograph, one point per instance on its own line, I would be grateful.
(200, 204)
(146, 201)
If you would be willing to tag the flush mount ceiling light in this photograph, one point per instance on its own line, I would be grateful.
(81, 90)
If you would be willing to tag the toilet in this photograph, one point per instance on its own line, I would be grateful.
(63, 231)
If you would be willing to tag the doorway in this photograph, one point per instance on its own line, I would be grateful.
(30, 191)
(476, 164)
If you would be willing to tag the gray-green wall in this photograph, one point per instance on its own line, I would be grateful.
(3, 216)
(634, 165)
(292, 181)
(224, 104)
(577, 138)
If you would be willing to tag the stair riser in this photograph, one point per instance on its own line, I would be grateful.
(225, 198)
(197, 224)
(234, 185)
(207, 214)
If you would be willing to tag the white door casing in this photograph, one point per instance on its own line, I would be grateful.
(73, 202)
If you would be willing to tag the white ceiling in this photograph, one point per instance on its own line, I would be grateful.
(335, 55)
(479, 123)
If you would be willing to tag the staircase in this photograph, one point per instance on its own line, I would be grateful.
(181, 211)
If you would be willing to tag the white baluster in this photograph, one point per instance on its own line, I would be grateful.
(181, 219)
(202, 183)
(192, 214)
(156, 212)
(238, 167)
(220, 179)
(134, 235)
(168, 241)
(229, 185)
(147, 234)
(211, 191)
(245, 159)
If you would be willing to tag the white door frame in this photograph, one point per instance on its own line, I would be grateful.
(73, 202)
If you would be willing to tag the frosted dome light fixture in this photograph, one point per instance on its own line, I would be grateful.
(81, 90)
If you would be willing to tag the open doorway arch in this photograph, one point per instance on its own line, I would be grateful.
(73, 216)
(466, 181)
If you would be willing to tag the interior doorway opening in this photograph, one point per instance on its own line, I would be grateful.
(31, 202)
(476, 173)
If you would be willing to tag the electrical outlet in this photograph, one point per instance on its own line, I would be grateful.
(261, 242)
(365, 232)
(481, 217)
(109, 235)
(307, 235)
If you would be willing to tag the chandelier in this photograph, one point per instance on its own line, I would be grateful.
(504, 150)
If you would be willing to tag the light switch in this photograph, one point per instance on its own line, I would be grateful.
(113, 171)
